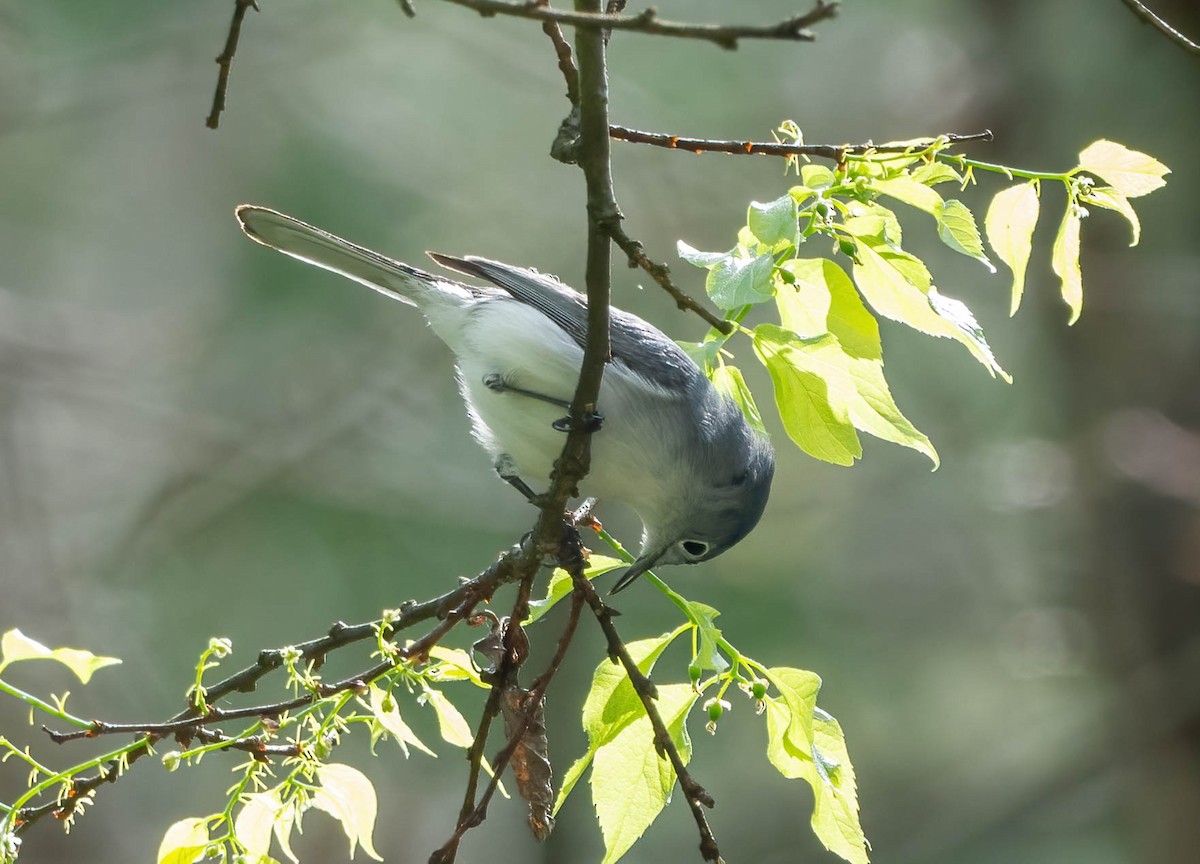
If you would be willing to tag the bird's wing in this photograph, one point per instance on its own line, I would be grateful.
(642, 347)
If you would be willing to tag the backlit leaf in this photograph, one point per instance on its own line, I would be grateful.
(1065, 261)
(184, 842)
(729, 381)
(774, 222)
(1009, 225)
(738, 281)
(16, 646)
(1129, 172)
(911, 192)
(348, 796)
(1111, 199)
(957, 229)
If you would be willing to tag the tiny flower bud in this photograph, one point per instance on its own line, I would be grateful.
(171, 760)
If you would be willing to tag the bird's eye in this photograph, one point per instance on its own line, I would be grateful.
(694, 548)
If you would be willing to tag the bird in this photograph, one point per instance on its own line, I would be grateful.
(667, 443)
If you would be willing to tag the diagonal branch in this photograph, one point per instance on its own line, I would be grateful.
(1147, 16)
(793, 29)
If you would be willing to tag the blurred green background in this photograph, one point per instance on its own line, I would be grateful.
(199, 438)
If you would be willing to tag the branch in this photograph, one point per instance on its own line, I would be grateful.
(1148, 17)
(726, 36)
(225, 61)
(697, 796)
(775, 148)
(661, 274)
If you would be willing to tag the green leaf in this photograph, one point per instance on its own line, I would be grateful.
(805, 743)
(1111, 199)
(933, 173)
(817, 177)
(698, 258)
(798, 690)
(1129, 172)
(630, 782)
(822, 300)
(729, 381)
(738, 281)
(348, 796)
(184, 842)
(386, 710)
(774, 222)
(560, 584)
(893, 294)
(802, 396)
(612, 704)
(1009, 225)
(910, 192)
(1065, 261)
(963, 327)
(956, 227)
(451, 723)
(708, 654)
(16, 646)
(835, 814)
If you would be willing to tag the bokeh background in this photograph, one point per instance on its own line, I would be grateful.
(198, 438)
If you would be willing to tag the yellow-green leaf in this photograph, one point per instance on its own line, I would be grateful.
(184, 842)
(16, 646)
(1111, 199)
(451, 723)
(911, 192)
(1129, 172)
(387, 711)
(729, 381)
(1065, 261)
(802, 396)
(822, 299)
(957, 229)
(348, 796)
(1009, 225)
(561, 584)
(630, 782)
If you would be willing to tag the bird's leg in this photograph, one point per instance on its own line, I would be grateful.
(496, 383)
(506, 469)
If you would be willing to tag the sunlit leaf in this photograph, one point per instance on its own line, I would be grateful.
(630, 782)
(451, 723)
(708, 654)
(802, 396)
(255, 823)
(1111, 199)
(1065, 261)
(966, 329)
(184, 842)
(386, 710)
(612, 705)
(348, 796)
(16, 646)
(738, 281)
(698, 258)
(1129, 172)
(932, 173)
(817, 177)
(773, 222)
(957, 229)
(1009, 225)
(729, 381)
(822, 300)
(911, 192)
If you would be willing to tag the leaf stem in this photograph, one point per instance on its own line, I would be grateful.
(53, 711)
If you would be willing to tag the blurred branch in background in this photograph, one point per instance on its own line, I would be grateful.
(1147, 16)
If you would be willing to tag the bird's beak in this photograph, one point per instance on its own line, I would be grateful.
(636, 569)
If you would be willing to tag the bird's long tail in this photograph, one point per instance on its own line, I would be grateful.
(322, 249)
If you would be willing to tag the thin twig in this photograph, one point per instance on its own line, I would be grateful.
(225, 61)
(562, 51)
(1149, 17)
(726, 36)
(775, 148)
(661, 274)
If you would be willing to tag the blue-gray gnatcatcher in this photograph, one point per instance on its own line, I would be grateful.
(672, 447)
